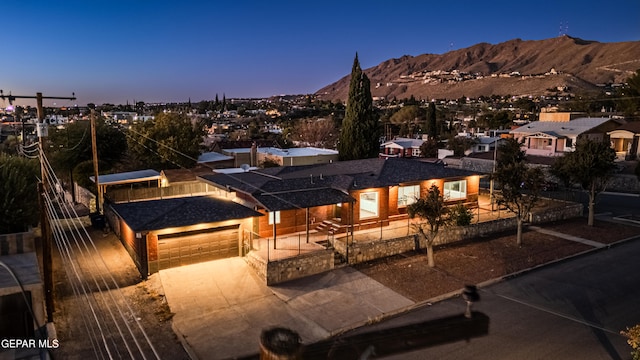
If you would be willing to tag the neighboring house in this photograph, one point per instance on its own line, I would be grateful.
(358, 193)
(401, 147)
(160, 234)
(625, 141)
(215, 160)
(485, 144)
(256, 156)
(554, 138)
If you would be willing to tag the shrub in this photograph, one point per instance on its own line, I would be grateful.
(633, 339)
(461, 215)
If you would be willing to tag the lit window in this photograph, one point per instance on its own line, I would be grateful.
(455, 190)
(407, 195)
(368, 205)
(274, 215)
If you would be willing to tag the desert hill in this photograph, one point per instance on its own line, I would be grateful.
(515, 67)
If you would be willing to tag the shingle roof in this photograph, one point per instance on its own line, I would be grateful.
(176, 212)
(315, 185)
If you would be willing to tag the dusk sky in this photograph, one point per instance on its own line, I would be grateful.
(113, 51)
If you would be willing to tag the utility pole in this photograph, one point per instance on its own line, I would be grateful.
(94, 151)
(45, 229)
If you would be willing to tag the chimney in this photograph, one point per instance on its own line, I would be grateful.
(254, 154)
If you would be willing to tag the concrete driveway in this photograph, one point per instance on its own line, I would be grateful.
(221, 306)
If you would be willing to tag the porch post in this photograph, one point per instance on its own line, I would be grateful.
(307, 224)
(274, 231)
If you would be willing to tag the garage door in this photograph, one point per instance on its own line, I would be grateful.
(190, 248)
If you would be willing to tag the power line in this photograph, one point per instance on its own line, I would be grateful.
(73, 257)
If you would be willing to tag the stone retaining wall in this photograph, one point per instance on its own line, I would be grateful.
(367, 251)
(624, 183)
(278, 271)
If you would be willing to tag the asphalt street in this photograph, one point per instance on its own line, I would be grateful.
(574, 309)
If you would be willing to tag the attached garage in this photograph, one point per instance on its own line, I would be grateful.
(165, 233)
(197, 246)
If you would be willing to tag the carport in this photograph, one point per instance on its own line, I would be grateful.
(120, 179)
(166, 233)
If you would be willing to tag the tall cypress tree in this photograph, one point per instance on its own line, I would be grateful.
(432, 128)
(360, 134)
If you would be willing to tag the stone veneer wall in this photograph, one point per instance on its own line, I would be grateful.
(625, 183)
(366, 251)
(278, 271)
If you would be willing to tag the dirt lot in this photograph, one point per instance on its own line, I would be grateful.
(478, 260)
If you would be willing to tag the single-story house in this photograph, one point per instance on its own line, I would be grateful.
(486, 144)
(554, 138)
(625, 140)
(160, 234)
(366, 193)
(401, 147)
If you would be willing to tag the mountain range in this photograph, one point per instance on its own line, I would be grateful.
(516, 67)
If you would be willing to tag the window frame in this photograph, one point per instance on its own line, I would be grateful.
(273, 214)
(448, 192)
(408, 201)
(376, 200)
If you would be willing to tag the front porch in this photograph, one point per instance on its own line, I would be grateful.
(292, 256)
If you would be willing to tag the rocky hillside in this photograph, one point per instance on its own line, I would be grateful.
(515, 67)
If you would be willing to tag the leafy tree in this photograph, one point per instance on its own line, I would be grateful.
(269, 163)
(461, 215)
(10, 145)
(359, 137)
(437, 215)
(591, 166)
(71, 145)
(520, 185)
(18, 193)
(496, 120)
(460, 144)
(168, 141)
(429, 148)
(407, 117)
(629, 96)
